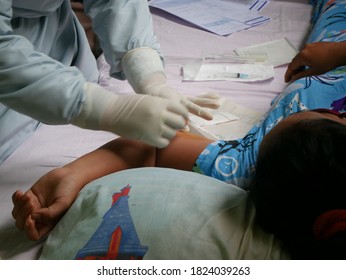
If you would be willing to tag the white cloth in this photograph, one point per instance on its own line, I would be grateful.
(175, 214)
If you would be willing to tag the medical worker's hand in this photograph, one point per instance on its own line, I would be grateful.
(316, 59)
(156, 86)
(149, 119)
(39, 209)
(144, 71)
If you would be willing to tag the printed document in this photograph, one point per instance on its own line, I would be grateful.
(222, 17)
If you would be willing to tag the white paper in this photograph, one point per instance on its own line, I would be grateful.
(243, 120)
(227, 72)
(222, 17)
(279, 52)
(218, 118)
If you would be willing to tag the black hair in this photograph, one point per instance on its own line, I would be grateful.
(300, 174)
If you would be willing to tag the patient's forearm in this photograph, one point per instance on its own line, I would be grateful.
(117, 155)
(38, 209)
(121, 154)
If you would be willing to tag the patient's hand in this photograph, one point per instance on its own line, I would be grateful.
(316, 59)
(39, 209)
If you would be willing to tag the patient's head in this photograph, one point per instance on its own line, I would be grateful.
(300, 175)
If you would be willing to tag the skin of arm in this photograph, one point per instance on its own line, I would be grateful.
(315, 59)
(38, 210)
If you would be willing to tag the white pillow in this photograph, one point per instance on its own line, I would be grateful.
(167, 214)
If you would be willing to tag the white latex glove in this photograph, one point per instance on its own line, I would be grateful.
(210, 100)
(149, 119)
(144, 71)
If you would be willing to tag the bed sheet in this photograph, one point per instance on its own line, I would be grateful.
(180, 39)
(51, 147)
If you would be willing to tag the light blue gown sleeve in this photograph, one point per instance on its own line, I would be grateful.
(121, 25)
(31, 82)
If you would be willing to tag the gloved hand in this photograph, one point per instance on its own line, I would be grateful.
(210, 100)
(149, 119)
(144, 71)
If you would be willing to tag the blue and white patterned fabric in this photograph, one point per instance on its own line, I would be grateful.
(233, 161)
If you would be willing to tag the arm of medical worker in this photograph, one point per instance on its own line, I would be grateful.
(33, 83)
(126, 35)
(44, 89)
(150, 119)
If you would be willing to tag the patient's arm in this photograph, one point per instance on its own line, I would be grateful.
(38, 210)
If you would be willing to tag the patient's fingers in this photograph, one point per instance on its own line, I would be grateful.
(30, 229)
(24, 204)
(22, 214)
(50, 214)
(43, 220)
(35, 230)
(16, 195)
(16, 200)
(290, 73)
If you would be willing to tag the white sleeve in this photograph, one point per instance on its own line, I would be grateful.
(33, 83)
(121, 25)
